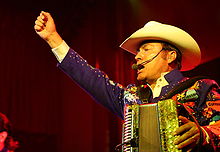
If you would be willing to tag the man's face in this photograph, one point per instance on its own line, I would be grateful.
(152, 70)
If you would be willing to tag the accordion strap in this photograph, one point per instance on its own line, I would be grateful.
(182, 86)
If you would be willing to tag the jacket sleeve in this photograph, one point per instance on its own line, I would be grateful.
(94, 81)
(209, 112)
(202, 104)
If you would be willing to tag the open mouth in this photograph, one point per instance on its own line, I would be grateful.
(139, 71)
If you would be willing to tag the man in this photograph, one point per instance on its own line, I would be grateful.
(161, 51)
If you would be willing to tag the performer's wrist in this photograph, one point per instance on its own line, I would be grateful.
(54, 40)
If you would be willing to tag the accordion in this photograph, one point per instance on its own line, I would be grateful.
(149, 127)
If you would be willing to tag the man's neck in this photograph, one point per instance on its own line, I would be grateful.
(153, 85)
(154, 82)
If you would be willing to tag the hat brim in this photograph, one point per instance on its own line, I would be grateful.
(189, 48)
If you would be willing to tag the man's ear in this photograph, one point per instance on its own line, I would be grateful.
(3, 136)
(171, 56)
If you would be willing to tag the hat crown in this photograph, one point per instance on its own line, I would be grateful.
(152, 23)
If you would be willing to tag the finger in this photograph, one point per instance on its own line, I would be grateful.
(39, 23)
(192, 140)
(186, 136)
(183, 128)
(45, 15)
(192, 132)
(183, 119)
(38, 28)
(39, 18)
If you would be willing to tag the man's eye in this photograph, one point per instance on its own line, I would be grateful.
(142, 49)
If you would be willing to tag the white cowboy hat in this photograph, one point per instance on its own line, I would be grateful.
(153, 30)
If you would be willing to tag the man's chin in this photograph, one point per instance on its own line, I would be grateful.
(139, 78)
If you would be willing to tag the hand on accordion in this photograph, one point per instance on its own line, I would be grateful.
(189, 134)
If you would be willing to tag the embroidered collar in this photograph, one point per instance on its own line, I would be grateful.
(174, 76)
(166, 79)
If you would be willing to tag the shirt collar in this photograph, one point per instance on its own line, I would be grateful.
(161, 82)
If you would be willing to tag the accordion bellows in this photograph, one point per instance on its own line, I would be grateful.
(149, 127)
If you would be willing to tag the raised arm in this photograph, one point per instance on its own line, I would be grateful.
(92, 80)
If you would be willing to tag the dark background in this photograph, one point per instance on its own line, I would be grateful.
(51, 113)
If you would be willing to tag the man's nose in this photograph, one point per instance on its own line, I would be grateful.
(138, 56)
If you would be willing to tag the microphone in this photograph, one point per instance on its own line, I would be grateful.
(137, 66)
(141, 65)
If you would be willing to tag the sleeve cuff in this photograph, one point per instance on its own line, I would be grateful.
(61, 51)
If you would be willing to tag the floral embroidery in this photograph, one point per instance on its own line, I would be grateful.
(191, 94)
(195, 86)
(215, 105)
(216, 118)
(112, 82)
(133, 90)
(115, 84)
(216, 96)
(190, 104)
(210, 96)
(186, 95)
(207, 112)
(180, 96)
(106, 76)
(119, 85)
(130, 96)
